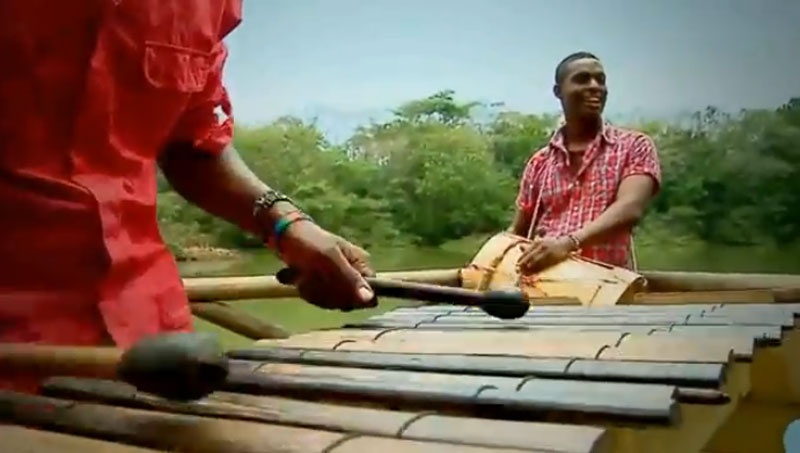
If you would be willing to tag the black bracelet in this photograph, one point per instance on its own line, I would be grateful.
(268, 199)
(575, 242)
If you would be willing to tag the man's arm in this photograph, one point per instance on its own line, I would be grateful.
(222, 185)
(201, 164)
(526, 199)
(641, 180)
(520, 223)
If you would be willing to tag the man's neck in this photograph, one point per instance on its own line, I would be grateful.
(581, 130)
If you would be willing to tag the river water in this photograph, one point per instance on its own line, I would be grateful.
(296, 315)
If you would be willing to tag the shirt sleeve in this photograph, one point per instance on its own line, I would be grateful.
(644, 160)
(207, 122)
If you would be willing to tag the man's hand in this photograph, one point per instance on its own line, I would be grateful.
(543, 253)
(331, 270)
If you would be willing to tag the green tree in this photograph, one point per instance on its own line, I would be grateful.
(435, 172)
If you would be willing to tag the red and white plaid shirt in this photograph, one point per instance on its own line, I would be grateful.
(567, 202)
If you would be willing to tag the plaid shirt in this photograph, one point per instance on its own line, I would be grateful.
(567, 202)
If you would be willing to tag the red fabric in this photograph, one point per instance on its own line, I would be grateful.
(569, 202)
(89, 94)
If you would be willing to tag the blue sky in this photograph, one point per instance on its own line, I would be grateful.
(347, 60)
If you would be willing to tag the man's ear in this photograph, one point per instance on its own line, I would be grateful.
(557, 91)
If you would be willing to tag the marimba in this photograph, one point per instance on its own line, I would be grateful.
(561, 379)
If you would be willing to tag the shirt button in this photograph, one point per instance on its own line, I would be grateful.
(127, 186)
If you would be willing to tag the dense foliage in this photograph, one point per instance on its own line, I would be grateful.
(434, 173)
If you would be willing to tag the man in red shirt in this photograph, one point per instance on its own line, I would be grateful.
(93, 96)
(590, 185)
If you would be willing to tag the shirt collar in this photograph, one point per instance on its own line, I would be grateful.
(608, 134)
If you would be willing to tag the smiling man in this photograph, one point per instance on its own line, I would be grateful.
(590, 185)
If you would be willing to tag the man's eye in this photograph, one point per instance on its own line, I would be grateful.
(581, 78)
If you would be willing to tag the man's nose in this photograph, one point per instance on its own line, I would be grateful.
(594, 83)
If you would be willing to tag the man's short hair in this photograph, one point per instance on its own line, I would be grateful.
(561, 69)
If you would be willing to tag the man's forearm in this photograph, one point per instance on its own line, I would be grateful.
(519, 225)
(621, 214)
(221, 185)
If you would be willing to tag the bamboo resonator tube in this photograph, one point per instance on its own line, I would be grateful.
(182, 366)
(500, 304)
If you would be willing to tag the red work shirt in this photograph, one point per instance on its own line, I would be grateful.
(90, 92)
(562, 202)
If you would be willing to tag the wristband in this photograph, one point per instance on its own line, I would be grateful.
(283, 223)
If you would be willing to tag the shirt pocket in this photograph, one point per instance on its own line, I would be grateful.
(175, 68)
(603, 179)
(172, 78)
(556, 191)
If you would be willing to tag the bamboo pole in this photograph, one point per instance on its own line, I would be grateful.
(238, 321)
(46, 360)
(668, 281)
(206, 289)
(178, 366)
(786, 287)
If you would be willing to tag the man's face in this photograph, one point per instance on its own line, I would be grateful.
(583, 90)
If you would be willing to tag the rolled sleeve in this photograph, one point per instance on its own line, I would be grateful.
(643, 160)
(207, 122)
